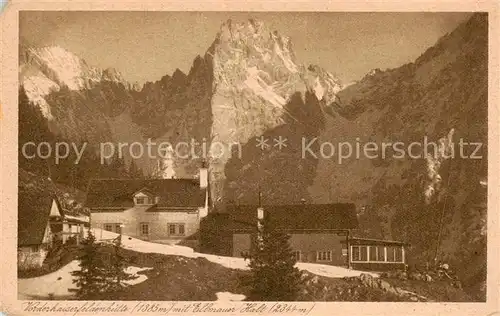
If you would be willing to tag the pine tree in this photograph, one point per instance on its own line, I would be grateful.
(133, 171)
(274, 276)
(117, 168)
(91, 279)
(117, 274)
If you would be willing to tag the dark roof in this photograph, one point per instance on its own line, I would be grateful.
(338, 216)
(34, 204)
(375, 242)
(119, 192)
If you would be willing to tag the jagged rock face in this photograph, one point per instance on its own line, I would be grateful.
(47, 69)
(256, 75)
(443, 96)
(76, 98)
(240, 89)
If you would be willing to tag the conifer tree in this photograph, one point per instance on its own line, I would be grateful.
(91, 279)
(117, 274)
(133, 171)
(117, 168)
(274, 276)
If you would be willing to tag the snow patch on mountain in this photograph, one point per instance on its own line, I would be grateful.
(319, 91)
(37, 87)
(67, 68)
(324, 85)
(255, 83)
(283, 52)
(434, 160)
(47, 69)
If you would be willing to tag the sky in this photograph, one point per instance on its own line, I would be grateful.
(144, 46)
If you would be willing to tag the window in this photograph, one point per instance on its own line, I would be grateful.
(355, 253)
(34, 248)
(391, 254)
(380, 253)
(171, 229)
(324, 256)
(176, 229)
(399, 254)
(297, 255)
(144, 229)
(373, 253)
(113, 227)
(360, 253)
(344, 249)
(364, 254)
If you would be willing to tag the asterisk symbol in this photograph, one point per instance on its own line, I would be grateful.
(262, 143)
(280, 142)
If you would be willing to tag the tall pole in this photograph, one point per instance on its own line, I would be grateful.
(118, 266)
(260, 197)
(438, 242)
(348, 250)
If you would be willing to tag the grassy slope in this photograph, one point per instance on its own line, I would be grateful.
(179, 278)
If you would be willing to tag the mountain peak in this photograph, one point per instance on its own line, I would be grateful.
(47, 69)
(111, 74)
(241, 30)
(178, 75)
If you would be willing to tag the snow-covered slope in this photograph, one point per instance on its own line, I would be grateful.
(228, 262)
(59, 283)
(46, 69)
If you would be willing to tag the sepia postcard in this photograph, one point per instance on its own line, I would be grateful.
(249, 158)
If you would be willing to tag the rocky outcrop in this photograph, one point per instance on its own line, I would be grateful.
(363, 288)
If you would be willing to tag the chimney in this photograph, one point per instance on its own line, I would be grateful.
(204, 175)
(260, 209)
(260, 213)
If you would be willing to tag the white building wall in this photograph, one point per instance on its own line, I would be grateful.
(157, 222)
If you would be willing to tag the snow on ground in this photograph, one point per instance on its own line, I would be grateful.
(331, 271)
(229, 297)
(56, 283)
(59, 282)
(134, 271)
(228, 262)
